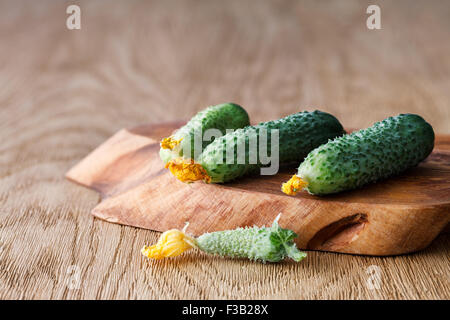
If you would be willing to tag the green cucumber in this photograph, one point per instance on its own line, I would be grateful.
(220, 117)
(387, 148)
(298, 134)
(270, 244)
(265, 244)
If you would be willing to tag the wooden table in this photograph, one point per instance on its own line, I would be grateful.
(63, 92)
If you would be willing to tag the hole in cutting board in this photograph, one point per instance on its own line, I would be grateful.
(339, 233)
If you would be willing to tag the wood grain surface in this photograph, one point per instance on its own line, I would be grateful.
(64, 92)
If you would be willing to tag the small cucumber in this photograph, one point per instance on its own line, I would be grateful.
(220, 117)
(298, 134)
(351, 161)
(271, 244)
(265, 244)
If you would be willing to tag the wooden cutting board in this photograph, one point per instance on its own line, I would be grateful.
(399, 215)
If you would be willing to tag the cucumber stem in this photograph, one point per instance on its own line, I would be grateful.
(294, 185)
(187, 170)
(293, 253)
(289, 246)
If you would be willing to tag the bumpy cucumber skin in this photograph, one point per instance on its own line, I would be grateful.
(266, 244)
(221, 117)
(299, 133)
(351, 161)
